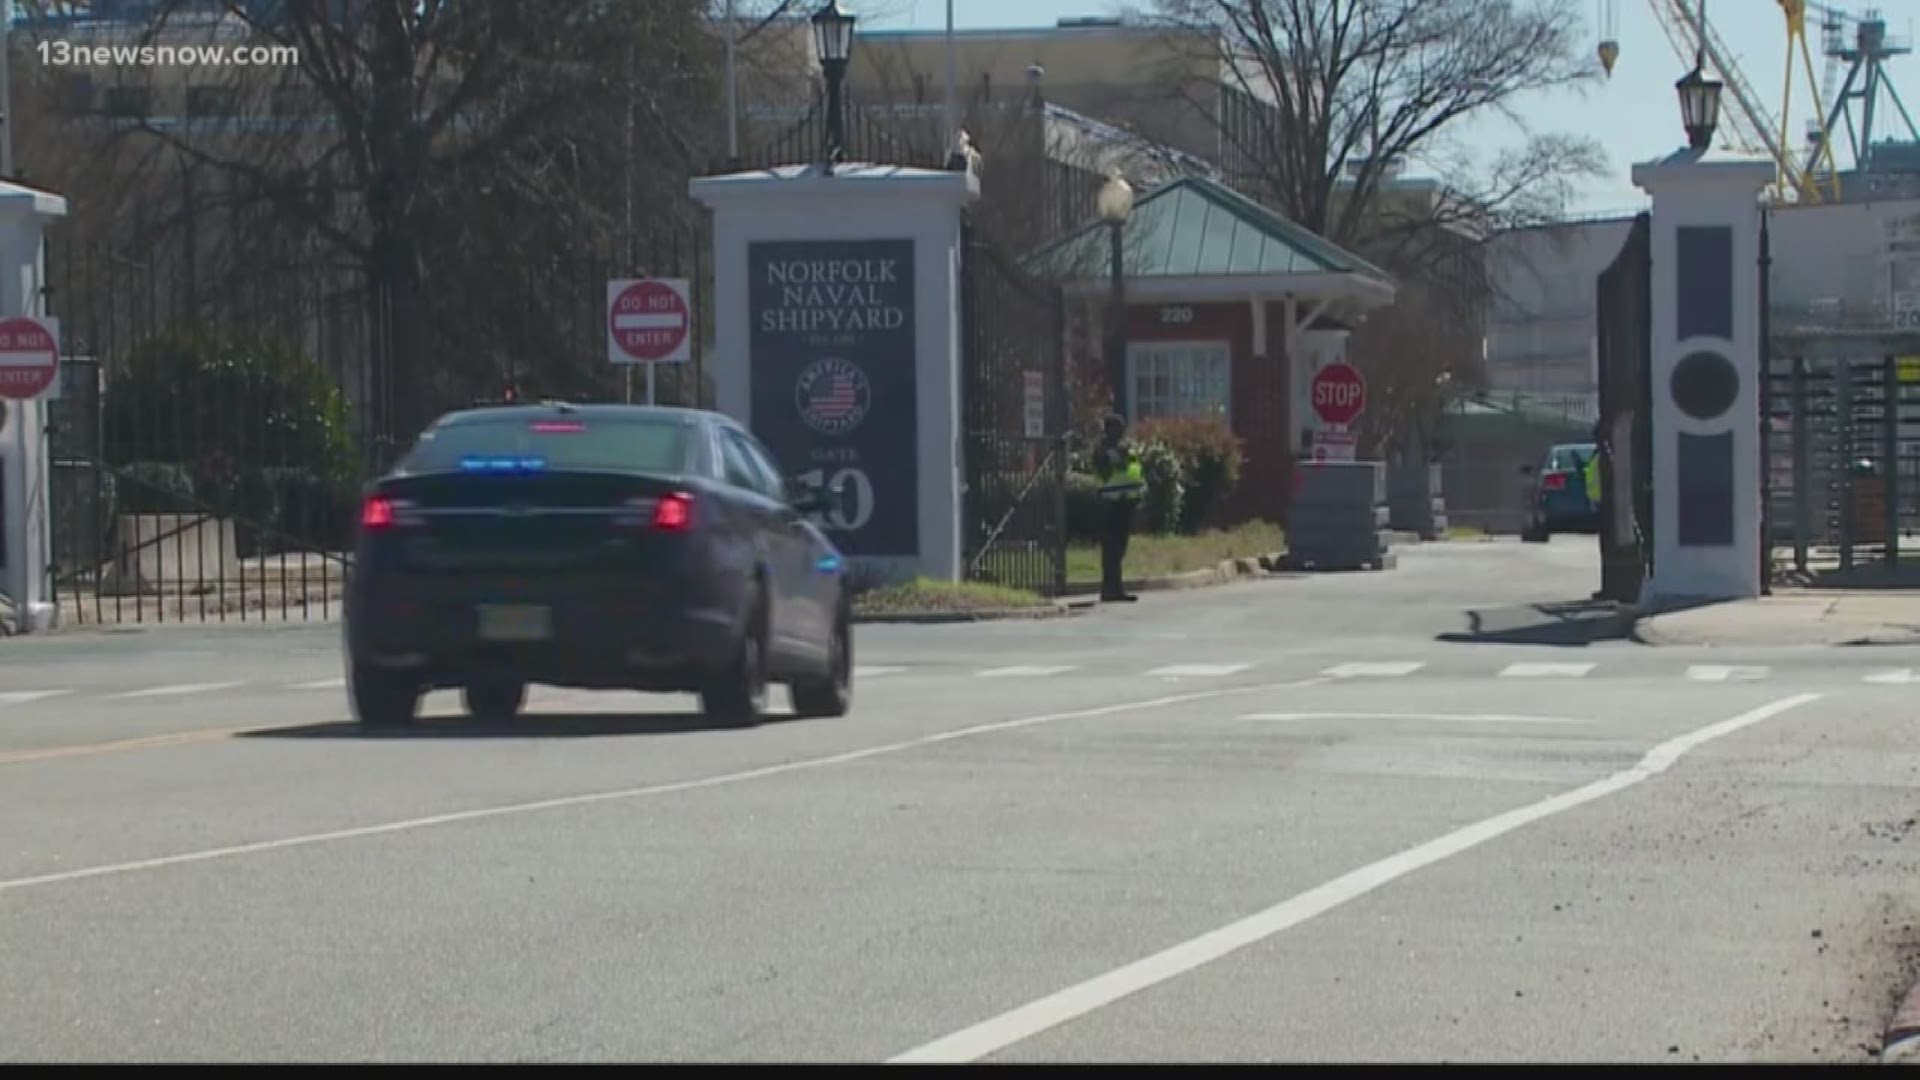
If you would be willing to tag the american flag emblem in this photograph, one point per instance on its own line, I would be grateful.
(833, 396)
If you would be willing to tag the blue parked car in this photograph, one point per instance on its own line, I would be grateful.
(1559, 493)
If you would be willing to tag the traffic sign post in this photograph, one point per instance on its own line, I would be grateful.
(29, 357)
(649, 321)
(1339, 397)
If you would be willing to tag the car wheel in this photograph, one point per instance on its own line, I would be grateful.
(382, 699)
(832, 695)
(494, 699)
(736, 696)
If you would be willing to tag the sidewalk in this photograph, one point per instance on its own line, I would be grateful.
(1790, 618)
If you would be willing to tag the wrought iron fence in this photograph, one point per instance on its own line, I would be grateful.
(213, 436)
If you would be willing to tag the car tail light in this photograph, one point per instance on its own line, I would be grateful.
(673, 513)
(668, 513)
(378, 513)
(381, 512)
(1554, 481)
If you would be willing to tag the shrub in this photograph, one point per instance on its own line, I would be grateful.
(241, 425)
(1166, 488)
(1211, 456)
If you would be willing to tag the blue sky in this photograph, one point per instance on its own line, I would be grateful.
(1634, 115)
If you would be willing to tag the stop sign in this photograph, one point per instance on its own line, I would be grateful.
(29, 357)
(1339, 394)
(647, 320)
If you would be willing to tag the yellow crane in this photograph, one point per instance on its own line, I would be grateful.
(1796, 13)
(1748, 123)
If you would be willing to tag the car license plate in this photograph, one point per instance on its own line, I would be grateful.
(516, 622)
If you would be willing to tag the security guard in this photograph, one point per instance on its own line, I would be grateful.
(1122, 483)
(1591, 471)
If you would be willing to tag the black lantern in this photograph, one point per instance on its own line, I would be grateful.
(1699, 107)
(832, 33)
(833, 45)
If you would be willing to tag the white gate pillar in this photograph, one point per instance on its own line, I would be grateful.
(1705, 360)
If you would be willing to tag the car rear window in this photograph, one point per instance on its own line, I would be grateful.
(592, 445)
(1569, 458)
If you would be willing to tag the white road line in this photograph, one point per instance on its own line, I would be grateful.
(1546, 671)
(1197, 671)
(723, 779)
(177, 690)
(875, 672)
(321, 684)
(1023, 671)
(1460, 718)
(1374, 669)
(22, 697)
(1000, 1032)
(1725, 673)
(1896, 677)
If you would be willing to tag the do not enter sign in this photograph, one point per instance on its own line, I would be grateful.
(29, 357)
(648, 321)
(1339, 394)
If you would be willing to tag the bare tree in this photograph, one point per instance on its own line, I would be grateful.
(458, 154)
(1328, 101)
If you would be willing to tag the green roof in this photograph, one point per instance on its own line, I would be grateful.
(1195, 227)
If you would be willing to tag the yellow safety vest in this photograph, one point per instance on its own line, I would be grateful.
(1592, 472)
(1128, 484)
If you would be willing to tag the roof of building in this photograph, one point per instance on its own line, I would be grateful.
(1197, 227)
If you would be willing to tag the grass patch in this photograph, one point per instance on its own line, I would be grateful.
(1160, 556)
(1466, 532)
(927, 596)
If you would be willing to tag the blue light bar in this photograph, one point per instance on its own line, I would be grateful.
(828, 564)
(478, 463)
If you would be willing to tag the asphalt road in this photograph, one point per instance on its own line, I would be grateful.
(1390, 816)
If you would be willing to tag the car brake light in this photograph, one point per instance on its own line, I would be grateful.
(1554, 481)
(377, 513)
(674, 513)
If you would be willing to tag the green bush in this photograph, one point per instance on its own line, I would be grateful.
(1166, 488)
(1211, 456)
(236, 424)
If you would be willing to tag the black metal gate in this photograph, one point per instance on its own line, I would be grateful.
(1625, 435)
(1014, 421)
(1844, 474)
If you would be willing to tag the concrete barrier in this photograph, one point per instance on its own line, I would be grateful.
(163, 553)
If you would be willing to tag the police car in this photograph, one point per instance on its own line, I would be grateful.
(593, 547)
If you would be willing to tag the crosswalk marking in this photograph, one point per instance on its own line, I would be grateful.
(875, 672)
(22, 697)
(1896, 677)
(1196, 671)
(1725, 673)
(1374, 669)
(1546, 671)
(177, 690)
(1020, 671)
(1454, 718)
(338, 683)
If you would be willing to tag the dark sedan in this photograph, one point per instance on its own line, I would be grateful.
(593, 547)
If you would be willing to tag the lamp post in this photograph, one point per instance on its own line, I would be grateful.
(832, 45)
(1115, 204)
(1699, 95)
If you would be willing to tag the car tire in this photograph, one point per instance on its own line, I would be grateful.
(833, 695)
(382, 699)
(494, 699)
(736, 695)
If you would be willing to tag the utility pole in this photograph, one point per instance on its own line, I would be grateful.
(733, 88)
(6, 90)
(953, 120)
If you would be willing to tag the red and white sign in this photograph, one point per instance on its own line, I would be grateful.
(1333, 444)
(29, 357)
(649, 321)
(1339, 394)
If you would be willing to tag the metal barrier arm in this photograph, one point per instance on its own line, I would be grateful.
(1020, 499)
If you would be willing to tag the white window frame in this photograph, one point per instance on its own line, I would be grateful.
(1138, 351)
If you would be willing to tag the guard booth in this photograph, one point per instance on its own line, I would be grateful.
(25, 535)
